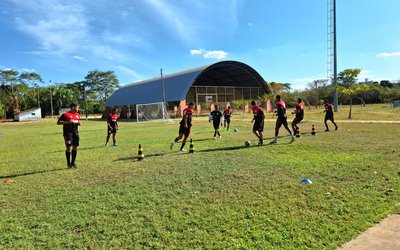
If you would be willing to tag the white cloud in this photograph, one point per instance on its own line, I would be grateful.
(79, 58)
(250, 24)
(307, 79)
(387, 54)
(209, 54)
(129, 72)
(27, 70)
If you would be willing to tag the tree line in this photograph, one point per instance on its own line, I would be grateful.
(21, 91)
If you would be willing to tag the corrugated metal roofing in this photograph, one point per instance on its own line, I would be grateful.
(177, 85)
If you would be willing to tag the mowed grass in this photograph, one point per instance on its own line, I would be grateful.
(224, 196)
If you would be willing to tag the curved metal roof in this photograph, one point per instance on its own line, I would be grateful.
(177, 85)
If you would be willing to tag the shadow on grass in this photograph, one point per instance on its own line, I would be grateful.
(33, 173)
(134, 158)
(79, 149)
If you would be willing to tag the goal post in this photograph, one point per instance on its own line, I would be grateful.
(152, 112)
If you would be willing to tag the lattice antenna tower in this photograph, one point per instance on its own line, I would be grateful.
(331, 48)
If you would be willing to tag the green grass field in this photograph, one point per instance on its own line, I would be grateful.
(224, 196)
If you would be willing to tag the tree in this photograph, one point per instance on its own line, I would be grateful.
(346, 83)
(9, 80)
(278, 87)
(32, 80)
(101, 84)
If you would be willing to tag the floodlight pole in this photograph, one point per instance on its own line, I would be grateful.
(335, 96)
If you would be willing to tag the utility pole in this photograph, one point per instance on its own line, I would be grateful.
(51, 100)
(335, 96)
(332, 49)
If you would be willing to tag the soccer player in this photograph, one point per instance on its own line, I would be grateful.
(299, 111)
(112, 126)
(329, 116)
(258, 118)
(216, 118)
(227, 117)
(70, 122)
(281, 120)
(184, 128)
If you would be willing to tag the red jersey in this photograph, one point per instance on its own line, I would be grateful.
(281, 108)
(328, 106)
(188, 112)
(299, 109)
(73, 121)
(112, 119)
(227, 112)
(258, 113)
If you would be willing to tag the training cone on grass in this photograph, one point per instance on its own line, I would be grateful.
(313, 130)
(140, 156)
(191, 149)
(8, 181)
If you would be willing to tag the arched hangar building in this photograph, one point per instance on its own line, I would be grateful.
(220, 82)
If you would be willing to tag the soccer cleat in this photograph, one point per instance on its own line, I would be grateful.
(69, 166)
(172, 145)
(183, 150)
(213, 138)
(273, 141)
(220, 137)
(260, 143)
(326, 130)
(74, 165)
(293, 139)
(114, 144)
(106, 144)
(336, 128)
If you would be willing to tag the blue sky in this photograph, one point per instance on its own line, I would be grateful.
(285, 40)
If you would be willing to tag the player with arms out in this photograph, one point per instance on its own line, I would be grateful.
(70, 122)
(299, 111)
(216, 116)
(185, 126)
(329, 115)
(112, 126)
(227, 117)
(281, 120)
(258, 118)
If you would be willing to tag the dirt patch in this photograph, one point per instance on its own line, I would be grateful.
(383, 236)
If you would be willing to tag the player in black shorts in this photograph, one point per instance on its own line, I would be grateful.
(216, 116)
(281, 120)
(70, 122)
(184, 127)
(299, 111)
(112, 126)
(329, 115)
(227, 118)
(258, 118)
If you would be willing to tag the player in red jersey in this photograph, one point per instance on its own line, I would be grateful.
(70, 122)
(184, 128)
(282, 119)
(258, 118)
(112, 126)
(299, 111)
(227, 117)
(329, 115)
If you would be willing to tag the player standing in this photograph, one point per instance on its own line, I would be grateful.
(227, 117)
(299, 117)
(112, 126)
(185, 126)
(70, 122)
(281, 120)
(216, 118)
(258, 118)
(329, 115)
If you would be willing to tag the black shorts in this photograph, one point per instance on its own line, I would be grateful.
(184, 131)
(258, 126)
(71, 140)
(228, 119)
(111, 130)
(297, 119)
(216, 124)
(329, 116)
(282, 120)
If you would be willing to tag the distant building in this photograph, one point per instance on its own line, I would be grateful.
(29, 115)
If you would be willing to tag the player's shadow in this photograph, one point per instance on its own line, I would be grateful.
(204, 139)
(79, 149)
(222, 149)
(33, 173)
(134, 158)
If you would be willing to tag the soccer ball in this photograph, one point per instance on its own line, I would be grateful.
(210, 118)
(247, 143)
(235, 130)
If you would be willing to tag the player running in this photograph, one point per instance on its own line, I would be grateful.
(299, 111)
(112, 126)
(216, 116)
(282, 119)
(258, 118)
(70, 122)
(227, 117)
(184, 128)
(329, 116)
